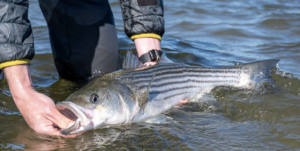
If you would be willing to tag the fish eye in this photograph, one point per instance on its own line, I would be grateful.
(94, 98)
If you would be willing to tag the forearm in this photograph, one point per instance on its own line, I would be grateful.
(19, 81)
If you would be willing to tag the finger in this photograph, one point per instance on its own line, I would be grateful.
(56, 132)
(60, 120)
(181, 102)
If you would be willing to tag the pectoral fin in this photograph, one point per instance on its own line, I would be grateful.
(145, 97)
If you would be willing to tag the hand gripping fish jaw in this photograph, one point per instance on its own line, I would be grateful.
(81, 116)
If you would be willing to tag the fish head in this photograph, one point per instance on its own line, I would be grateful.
(91, 107)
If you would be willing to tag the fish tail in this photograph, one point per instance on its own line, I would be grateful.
(260, 71)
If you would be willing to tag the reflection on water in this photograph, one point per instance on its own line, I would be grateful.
(202, 33)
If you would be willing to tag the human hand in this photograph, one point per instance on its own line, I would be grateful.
(38, 110)
(41, 114)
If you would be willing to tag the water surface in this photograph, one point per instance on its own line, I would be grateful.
(203, 33)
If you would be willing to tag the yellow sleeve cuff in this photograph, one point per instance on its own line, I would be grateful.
(146, 35)
(14, 62)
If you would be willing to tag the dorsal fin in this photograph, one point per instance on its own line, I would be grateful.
(131, 62)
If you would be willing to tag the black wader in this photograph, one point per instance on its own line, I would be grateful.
(83, 37)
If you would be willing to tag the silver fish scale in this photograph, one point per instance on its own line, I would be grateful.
(172, 80)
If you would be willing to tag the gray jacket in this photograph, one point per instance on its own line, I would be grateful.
(16, 36)
(143, 16)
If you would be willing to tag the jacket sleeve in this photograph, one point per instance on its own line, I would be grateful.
(143, 18)
(16, 39)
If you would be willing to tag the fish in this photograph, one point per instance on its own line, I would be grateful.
(137, 93)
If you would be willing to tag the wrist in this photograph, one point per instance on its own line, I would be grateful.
(144, 45)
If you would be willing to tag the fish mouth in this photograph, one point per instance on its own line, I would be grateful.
(82, 117)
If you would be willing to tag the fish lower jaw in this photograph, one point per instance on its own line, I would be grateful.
(82, 128)
(77, 127)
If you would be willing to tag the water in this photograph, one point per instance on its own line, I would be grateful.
(204, 33)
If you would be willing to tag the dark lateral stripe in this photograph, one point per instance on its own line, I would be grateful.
(165, 91)
(184, 69)
(181, 82)
(168, 97)
(212, 70)
(170, 72)
(157, 79)
(174, 76)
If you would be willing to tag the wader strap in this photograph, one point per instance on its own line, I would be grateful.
(152, 55)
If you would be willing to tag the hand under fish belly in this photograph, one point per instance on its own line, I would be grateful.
(137, 93)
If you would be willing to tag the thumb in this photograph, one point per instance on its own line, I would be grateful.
(62, 121)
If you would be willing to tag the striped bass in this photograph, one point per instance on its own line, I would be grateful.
(138, 93)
